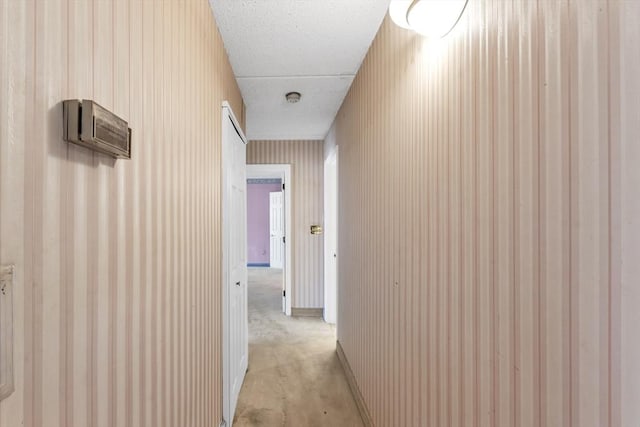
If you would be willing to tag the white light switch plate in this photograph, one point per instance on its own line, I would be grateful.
(6, 330)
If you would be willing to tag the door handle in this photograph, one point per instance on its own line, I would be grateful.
(237, 283)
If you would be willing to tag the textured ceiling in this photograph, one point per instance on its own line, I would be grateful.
(314, 47)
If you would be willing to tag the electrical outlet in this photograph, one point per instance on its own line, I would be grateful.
(6, 330)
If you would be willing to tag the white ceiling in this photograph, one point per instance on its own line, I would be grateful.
(314, 47)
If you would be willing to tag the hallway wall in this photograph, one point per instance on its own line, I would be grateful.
(490, 217)
(118, 271)
(307, 167)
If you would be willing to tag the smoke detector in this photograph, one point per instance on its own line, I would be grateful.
(293, 97)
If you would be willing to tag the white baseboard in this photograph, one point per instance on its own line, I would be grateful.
(307, 312)
(353, 385)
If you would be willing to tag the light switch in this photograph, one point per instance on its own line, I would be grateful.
(316, 229)
(6, 330)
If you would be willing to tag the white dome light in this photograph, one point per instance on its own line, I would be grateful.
(398, 10)
(432, 18)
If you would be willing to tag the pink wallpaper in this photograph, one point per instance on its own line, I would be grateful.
(258, 221)
(117, 296)
(489, 219)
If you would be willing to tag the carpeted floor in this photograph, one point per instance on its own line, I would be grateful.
(294, 377)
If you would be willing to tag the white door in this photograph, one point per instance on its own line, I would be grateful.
(235, 264)
(276, 229)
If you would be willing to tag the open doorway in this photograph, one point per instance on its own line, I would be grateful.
(268, 225)
(265, 223)
(265, 238)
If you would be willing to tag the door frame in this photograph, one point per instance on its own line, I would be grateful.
(227, 113)
(330, 313)
(283, 172)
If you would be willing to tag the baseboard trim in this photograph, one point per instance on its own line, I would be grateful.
(306, 312)
(353, 385)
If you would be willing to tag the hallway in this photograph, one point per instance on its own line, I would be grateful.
(460, 175)
(294, 376)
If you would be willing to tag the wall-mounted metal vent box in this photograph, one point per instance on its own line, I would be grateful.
(90, 125)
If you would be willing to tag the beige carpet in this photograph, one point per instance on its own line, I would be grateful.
(294, 377)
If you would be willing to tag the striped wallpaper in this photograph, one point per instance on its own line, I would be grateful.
(307, 168)
(117, 293)
(490, 219)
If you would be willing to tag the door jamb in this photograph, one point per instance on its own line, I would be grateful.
(331, 160)
(282, 171)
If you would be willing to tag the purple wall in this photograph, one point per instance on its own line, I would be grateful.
(258, 219)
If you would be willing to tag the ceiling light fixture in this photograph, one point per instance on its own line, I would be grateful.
(431, 18)
(293, 97)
